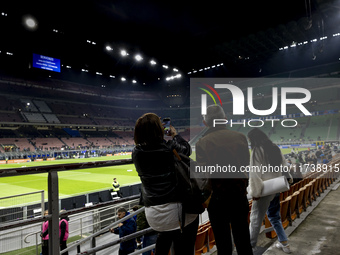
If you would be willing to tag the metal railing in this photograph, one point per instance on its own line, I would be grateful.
(83, 223)
(53, 195)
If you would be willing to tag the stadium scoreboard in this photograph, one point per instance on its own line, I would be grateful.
(46, 63)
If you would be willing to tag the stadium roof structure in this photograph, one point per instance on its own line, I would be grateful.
(167, 40)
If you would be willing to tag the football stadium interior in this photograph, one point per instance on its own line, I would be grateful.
(75, 77)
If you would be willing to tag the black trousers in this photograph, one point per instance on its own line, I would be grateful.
(230, 212)
(183, 243)
(63, 246)
(121, 252)
(44, 247)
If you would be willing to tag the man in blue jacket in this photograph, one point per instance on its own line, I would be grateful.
(126, 228)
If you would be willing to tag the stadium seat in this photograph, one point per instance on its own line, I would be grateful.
(316, 191)
(312, 195)
(300, 206)
(307, 200)
(211, 238)
(201, 241)
(294, 187)
(284, 211)
(284, 195)
(320, 187)
(114, 195)
(292, 206)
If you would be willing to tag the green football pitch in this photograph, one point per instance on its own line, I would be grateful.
(74, 182)
(70, 182)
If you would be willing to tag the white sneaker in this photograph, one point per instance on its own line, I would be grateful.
(285, 248)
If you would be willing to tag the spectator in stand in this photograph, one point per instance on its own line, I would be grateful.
(149, 238)
(324, 159)
(125, 228)
(228, 208)
(154, 161)
(265, 153)
(295, 172)
(44, 235)
(116, 187)
(314, 159)
(318, 154)
(63, 231)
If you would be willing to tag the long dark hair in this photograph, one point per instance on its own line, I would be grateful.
(148, 130)
(270, 151)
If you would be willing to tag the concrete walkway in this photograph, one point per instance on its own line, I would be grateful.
(319, 233)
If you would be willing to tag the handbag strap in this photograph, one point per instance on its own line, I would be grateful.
(177, 155)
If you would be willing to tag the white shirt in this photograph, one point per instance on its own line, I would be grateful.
(167, 217)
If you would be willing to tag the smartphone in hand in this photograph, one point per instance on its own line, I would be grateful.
(166, 123)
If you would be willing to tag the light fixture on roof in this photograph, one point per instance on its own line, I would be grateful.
(123, 53)
(123, 79)
(91, 42)
(138, 57)
(177, 76)
(30, 22)
(108, 48)
(165, 66)
(134, 81)
(153, 62)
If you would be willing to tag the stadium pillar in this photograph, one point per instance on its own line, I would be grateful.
(53, 208)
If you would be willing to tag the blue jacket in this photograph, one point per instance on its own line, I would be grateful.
(129, 227)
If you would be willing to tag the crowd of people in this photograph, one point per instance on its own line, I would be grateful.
(228, 209)
(153, 159)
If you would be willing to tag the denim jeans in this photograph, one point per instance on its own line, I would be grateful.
(270, 205)
(147, 241)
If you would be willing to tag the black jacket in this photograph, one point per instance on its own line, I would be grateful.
(155, 167)
(225, 147)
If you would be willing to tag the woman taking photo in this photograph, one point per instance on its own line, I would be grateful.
(154, 161)
(264, 153)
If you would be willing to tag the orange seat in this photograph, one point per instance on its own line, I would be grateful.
(292, 206)
(201, 241)
(306, 198)
(284, 212)
(210, 240)
(300, 205)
